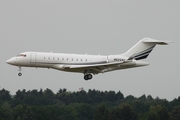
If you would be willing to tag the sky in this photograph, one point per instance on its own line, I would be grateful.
(95, 27)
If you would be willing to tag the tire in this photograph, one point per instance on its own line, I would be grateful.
(89, 76)
(19, 74)
(85, 77)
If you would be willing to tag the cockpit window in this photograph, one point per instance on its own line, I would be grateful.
(21, 55)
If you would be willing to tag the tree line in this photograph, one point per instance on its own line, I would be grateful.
(82, 105)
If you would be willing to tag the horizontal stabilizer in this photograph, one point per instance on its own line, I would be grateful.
(149, 40)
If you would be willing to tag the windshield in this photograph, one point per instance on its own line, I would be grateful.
(21, 55)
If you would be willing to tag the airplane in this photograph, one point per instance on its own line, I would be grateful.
(88, 64)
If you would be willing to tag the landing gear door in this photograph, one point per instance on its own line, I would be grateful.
(33, 59)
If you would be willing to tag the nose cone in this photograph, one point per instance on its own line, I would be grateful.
(10, 61)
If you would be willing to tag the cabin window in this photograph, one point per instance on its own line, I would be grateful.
(72, 59)
(49, 58)
(62, 58)
(76, 59)
(44, 57)
(81, 59)
(53, 58)
(86, 60)
(67, 59)
(58, 58)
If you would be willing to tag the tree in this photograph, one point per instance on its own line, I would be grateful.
(5, 95)
(5, 111)
(20, 95)
(28, 115)
(111, 96)
(119, 96)
(149, 97)
(130, 98)
(49, 93)
(84, 111)
(127, 112)
(158, 112)
(18, 111)
(101, 113)
(175, 114)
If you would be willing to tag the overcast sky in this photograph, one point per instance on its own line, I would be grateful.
(94, 27)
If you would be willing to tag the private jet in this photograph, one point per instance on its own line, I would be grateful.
(88, 64)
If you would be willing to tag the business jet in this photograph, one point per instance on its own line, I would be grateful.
(88, 64)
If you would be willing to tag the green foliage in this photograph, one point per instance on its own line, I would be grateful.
(82, 105)
(101, 113)
(5, 111)
(123, 112)
(175, 114)
(23, 112)
(5, 95)
(158, 112)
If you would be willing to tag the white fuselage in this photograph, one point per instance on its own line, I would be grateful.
(60, 61)
(88, 64)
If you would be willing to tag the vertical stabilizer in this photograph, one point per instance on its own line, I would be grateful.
(143, 48)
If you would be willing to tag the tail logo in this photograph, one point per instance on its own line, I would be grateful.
(142, 55)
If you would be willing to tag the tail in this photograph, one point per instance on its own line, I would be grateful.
(143, 48)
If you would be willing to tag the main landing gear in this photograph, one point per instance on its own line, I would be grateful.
(88, 76)
(20, 69)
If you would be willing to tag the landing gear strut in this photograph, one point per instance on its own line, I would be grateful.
(88, 76)
(19, 74)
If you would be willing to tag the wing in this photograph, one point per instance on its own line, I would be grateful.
(95, 68)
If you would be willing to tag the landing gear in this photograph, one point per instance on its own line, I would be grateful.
(20, 69)
(19, 74)
(88, 76)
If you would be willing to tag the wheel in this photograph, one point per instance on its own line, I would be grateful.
(89, 76)
(85, 77)
(19, 74)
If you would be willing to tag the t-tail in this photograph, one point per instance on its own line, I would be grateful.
(143, 48)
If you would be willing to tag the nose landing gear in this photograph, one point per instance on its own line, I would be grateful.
(19, 74)
(20, 69)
